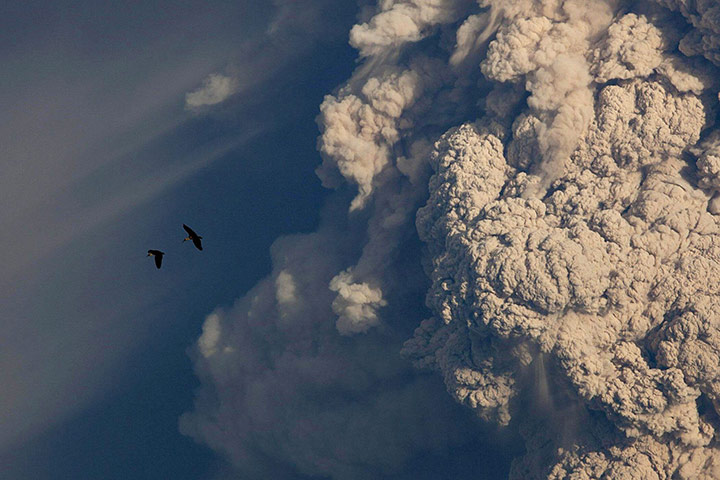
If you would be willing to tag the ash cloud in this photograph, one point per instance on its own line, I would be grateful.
(559, 162)
(286, 396)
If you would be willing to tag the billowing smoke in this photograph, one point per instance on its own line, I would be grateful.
(285, 394)
(560, 162)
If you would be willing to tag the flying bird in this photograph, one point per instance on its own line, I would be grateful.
(192, 236)
(158, 256)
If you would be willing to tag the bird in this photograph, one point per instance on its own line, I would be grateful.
(192, 236)
(158, 256)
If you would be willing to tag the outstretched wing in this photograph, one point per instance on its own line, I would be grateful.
(196, 242)
(158, 260)
(189, 231)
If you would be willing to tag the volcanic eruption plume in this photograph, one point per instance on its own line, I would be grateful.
(559, 160)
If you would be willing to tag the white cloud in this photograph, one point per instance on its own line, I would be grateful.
(211, 331)
(286, 292)
(216, 88)
(356, 304)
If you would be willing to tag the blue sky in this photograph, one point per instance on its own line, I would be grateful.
(101, 162)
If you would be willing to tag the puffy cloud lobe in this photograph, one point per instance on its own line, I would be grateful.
(633, 47)
(362, 126)
(704, 38)
(708, 164)
(216, 88)
(689, 75)
(642, 459)
(359, 136)
(286, 294)
(403, 21)
(636, 47)
(640, 123)
(360, 131)
(208, 341)
(356, 304)
(286, 289)
(548, 51)
(587, 275)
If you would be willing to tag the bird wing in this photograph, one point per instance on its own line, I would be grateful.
(189, 231)
(196, 242)
(158, 260)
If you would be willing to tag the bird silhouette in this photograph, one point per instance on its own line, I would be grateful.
(192, 236)
(158, 256)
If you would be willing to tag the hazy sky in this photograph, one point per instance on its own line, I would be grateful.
(102, 160)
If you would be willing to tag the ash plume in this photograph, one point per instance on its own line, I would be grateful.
(560, 162)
